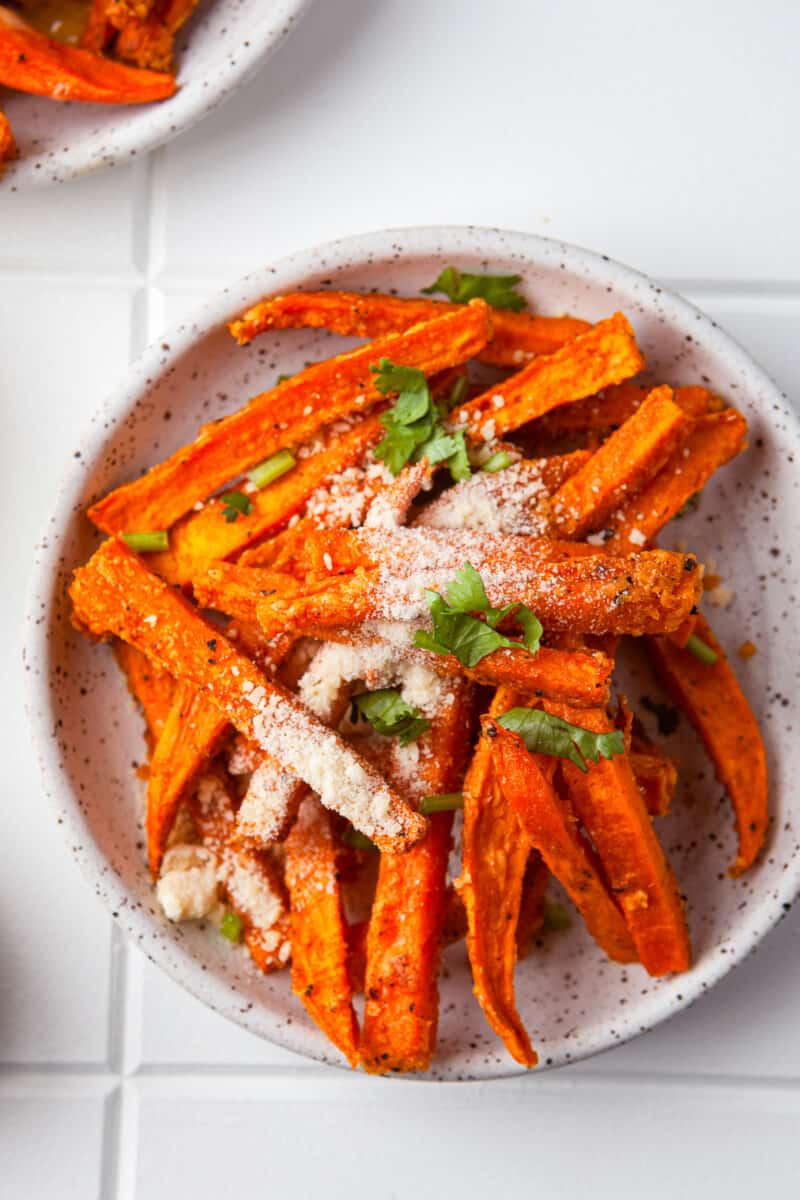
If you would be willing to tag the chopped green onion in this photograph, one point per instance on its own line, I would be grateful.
(458, 392)
(231, 927)
(701, 650)
(147, 543)
(444, 802)
(236, 504)
(282, 379)
(356, 839)
(498, 462)
(272, 468)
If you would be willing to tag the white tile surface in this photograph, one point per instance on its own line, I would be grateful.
(664, 136)
(51, 1145)
(88, 227)
(400, 1140)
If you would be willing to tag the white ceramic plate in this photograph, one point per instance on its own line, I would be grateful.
(86, 733)
(221, 46)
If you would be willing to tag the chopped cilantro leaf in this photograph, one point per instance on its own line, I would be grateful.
(456, 630)
(544, 733)
(389, 714)
(236, 504)
(461, 286)
(414, 428)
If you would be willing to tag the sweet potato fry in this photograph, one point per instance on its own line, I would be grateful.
(116, 594)
(656, 777)
(288, 414)
(8, 146)
(516, 338)
(147, 40)
(390, 507)
(319, 937)
(150, 685)
(614, 405)
(193, 732)
(580, 677)
(251, 881)
(715, 439)
(713, 700)
(32, 62)
(236, 590)
(620, 468)
(269, 805)
(611, 809)
(203, 537)
(405, 929)
(548, 820)
(98, 32)
(494, 854)
(604, 355)
(649, 592)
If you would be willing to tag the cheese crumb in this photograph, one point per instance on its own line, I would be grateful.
(187, 888)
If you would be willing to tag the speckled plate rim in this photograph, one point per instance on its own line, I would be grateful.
(287, 274)
(169, 118)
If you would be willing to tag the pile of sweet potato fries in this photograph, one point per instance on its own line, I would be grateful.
(312, 599)
(124, 56)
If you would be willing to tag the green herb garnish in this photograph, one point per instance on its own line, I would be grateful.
(442, 802)
(543, 733)
(701, 650)
(147, 543)
(497, 462)
(271, 468)
(358, 841)
(231, 927)
(389, 714)
(414, 428)
(236, 504)
(461, 286)
(457, 631)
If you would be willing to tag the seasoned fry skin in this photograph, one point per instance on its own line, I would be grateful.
(622, 465)
(193, 732)
(611, 809)
(319, 936)
(516, 336)
(713, 700)
(116, 594)
(547, 818)
(290, 413)
(494, 850)
(32, 62)
(151, 686)
(604, 355)
(405, 929)
(8, 146)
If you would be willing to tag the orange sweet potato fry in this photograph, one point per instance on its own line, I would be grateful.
(713, 700)
(8, 146)
(579, 677)
(714, 440)
(147, 40)
(550, 824)
(203, 537)
(252, 885)
(236, 590)
(405, 929)
(582, 593)
(116, 594)
(32, 62)
(620, 468)
(605, 354)
(288, 414)
(98, 32)
(656, 778)
(531, 905)
(516, 337)
(319, 936)
(611, 809)
(494, 855)
(193, 732)
(150, 685)
(614, 405)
